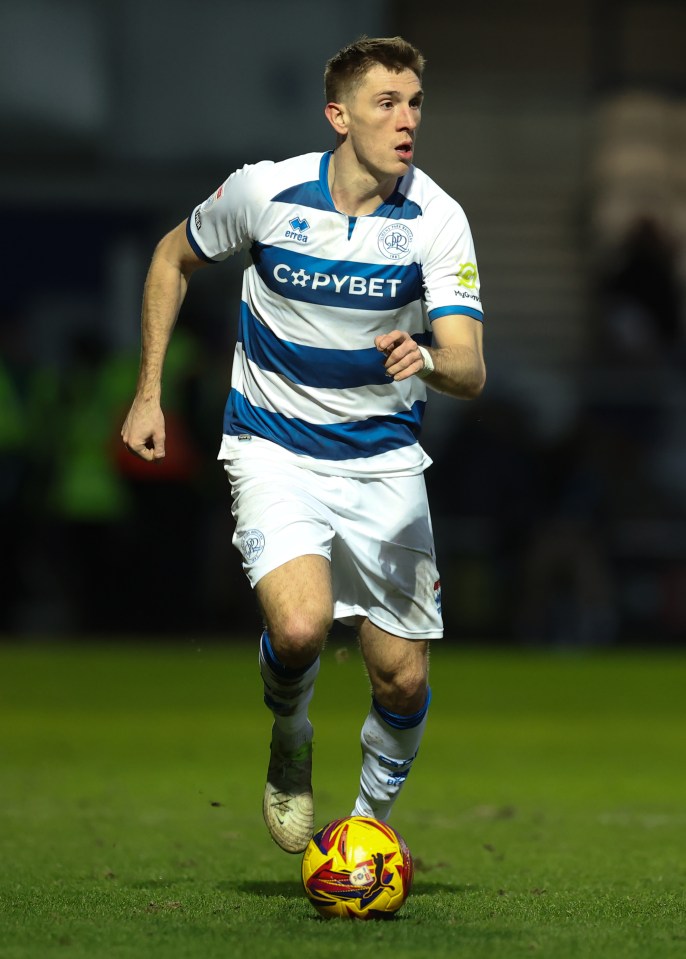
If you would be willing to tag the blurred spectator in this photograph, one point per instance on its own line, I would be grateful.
(14, 447)
(86, 501)
(162, 582)
(567, 594)
(639, 296)
(485, 495)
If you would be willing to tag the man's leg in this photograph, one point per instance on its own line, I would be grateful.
(297, 607)
(393, 729)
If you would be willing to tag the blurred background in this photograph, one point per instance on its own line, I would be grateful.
(559, 497)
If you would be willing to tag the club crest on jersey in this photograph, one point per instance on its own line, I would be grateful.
(395, 241)
(252, 544)
(298, 228)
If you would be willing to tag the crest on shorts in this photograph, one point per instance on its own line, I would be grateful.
(437, 597)
(252, 545)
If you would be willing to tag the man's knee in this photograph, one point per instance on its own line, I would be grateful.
(297, 607)
(403, 690)
(398, 668)
(297, 635)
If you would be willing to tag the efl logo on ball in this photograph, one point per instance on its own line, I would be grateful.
(357, 868)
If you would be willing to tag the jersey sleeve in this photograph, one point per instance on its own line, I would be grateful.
(450, 273)
(225, 222)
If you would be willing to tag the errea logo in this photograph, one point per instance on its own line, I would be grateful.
(298, 228)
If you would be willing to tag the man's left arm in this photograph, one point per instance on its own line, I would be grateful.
(456, 356)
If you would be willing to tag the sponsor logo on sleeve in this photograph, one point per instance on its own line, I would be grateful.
(467, 275)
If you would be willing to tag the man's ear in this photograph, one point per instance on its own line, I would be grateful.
(337, 116)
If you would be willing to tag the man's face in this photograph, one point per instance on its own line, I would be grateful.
(383, 115)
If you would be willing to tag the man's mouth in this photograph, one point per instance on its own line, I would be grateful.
(404, 150)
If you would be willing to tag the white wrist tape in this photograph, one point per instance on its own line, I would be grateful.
(428, 367)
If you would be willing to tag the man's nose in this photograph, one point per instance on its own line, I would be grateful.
(408, 119)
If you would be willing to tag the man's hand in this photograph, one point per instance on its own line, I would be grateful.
(173, 263)
(403, 358)
(143, 429)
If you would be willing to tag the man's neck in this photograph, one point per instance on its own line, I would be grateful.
(354, 190)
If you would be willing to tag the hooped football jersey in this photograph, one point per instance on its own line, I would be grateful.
(318, 287)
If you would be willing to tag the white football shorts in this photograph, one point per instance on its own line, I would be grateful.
(375, 531)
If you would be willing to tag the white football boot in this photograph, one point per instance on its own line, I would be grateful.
(288, 806)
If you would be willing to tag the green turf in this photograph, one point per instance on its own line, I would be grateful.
(546, 810)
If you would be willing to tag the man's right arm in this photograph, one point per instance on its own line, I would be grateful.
(165, 288)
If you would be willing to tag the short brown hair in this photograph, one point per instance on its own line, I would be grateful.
(347, 67)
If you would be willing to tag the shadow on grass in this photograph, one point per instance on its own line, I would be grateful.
(162, 883)
(285, 888)
(290, 889)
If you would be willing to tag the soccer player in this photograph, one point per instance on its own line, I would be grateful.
(360, 290)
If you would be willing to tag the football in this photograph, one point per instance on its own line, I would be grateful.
(357, 868)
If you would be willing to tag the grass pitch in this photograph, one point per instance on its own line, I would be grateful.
(546, 811)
